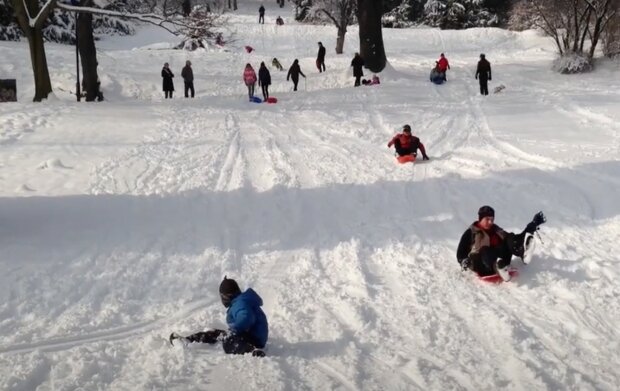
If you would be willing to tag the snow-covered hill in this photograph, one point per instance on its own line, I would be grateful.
(119, 219)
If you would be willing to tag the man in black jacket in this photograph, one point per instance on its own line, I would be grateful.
(320, 58)
(188, 78)
(483, 74)
(357, 63)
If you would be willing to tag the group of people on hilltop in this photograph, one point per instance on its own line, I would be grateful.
(483, 72)
(188, 79)
(261, 17)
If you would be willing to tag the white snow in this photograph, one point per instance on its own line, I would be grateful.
(118, 219)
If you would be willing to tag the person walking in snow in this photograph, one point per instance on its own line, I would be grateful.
(188, 78)
(320, 58)
(406, 144)
(293, 73)
(168, 85)
(487, 249)
(357, 63)
(483, 74)
(249, 78)
(443, 65)
(261, 14)
(264, 79)
(248, 329)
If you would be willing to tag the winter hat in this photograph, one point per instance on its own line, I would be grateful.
(407, 128)
(481, 55)
(229, 287)
(485, 211)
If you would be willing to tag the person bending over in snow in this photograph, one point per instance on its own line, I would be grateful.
(487, 249)
(406, 144)
(247, 323)
(443, 65)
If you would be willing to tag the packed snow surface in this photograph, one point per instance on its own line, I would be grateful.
(119, 219)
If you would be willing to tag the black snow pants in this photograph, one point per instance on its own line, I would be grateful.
(403, 151)
(232, 343)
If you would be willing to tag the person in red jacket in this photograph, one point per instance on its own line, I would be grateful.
(443, 65)
(407, 144)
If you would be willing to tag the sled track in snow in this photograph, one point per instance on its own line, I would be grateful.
(107, 335)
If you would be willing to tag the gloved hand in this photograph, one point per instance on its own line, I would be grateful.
(425, 157)
(532, 226)
(465, 263)
(490, 78)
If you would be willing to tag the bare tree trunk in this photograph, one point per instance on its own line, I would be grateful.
(369, 14)
(342, 31)
(229, 4)
(88, 53)
(42, 82)
(187, 7)
(234, 5)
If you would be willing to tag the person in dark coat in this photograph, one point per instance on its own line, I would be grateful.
(406, 144)
(357, 63)
(168, 85)
(188, 78)
(261, 14)
(264, 79)
(483, 74)
(279, 21)
(293, 72)
(248, 329)
(320, 58)
(487, 249)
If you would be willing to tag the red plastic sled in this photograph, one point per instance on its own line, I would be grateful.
(496, 279)
(406, 159)
(271, 99)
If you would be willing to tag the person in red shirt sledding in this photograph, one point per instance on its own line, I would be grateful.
(406, 144)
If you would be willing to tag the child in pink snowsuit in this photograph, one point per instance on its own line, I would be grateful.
(249, 78)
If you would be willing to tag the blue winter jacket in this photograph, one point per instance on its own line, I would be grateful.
(245, 316)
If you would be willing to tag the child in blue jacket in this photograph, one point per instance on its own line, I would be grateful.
(248, 329)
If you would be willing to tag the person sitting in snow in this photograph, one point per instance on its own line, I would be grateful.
(248, 329)
(279, 21)
(375, 80)
(436, 75)
(406, 144)
(487, 249)
(276, 64)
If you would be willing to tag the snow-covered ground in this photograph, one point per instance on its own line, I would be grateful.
(119, 219)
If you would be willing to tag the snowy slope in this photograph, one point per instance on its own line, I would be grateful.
(119, 219)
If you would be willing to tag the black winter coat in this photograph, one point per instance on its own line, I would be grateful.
(167, 76)
(357, 64)
(321, 55)
(264, 77)
(294, 71)
(483, 72)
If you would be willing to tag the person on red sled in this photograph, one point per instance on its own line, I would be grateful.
(487, 249)
(406, 144)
